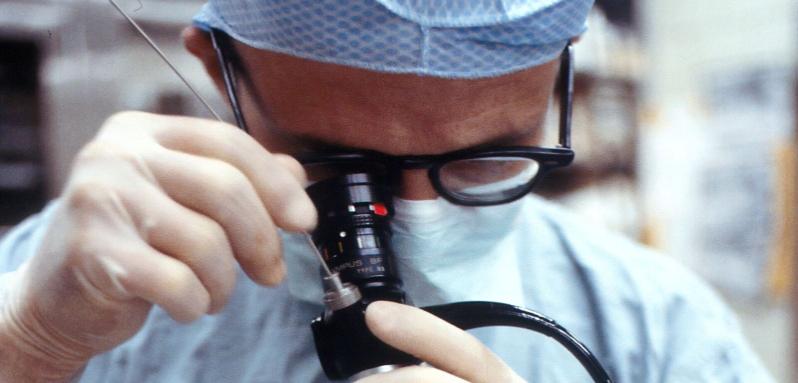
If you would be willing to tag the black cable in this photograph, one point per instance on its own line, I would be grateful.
(470, 315)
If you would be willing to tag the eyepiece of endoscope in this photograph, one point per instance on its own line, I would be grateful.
(354, 233)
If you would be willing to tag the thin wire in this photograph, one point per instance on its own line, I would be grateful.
(165, 59)
(318, 254)
(210, 109)
(332, 281)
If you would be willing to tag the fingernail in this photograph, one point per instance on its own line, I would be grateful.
(380, 310)
(382, 318)
(276, 272)
(281, 270)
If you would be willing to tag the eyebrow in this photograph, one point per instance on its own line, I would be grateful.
(511, 138)
(312, 144)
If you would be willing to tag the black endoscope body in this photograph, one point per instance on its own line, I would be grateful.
(353, 236)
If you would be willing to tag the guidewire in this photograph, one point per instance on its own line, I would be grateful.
(165, 59)
(332, 277)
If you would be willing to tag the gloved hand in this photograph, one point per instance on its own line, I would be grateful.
(454, 355)
(157, 210)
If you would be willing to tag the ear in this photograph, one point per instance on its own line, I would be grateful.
(199, 44)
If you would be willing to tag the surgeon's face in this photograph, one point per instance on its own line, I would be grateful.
(293, 104)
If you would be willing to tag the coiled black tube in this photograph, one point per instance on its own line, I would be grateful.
(470, 315)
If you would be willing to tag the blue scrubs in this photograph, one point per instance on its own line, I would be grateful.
(645, 317)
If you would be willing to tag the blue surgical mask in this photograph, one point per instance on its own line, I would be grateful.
(443, 253)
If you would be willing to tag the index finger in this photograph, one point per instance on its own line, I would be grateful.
(437, 342)
(280, 187)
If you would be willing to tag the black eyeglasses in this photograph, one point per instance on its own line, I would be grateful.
(472, 177)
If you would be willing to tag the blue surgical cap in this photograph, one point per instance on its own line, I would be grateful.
(444, 38)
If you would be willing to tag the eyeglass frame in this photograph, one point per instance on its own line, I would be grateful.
(548, 158)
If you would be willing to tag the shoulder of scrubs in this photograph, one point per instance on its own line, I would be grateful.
(660, 321)
(22, 241)
(18, 245)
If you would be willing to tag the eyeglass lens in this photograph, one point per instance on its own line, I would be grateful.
(488, 179)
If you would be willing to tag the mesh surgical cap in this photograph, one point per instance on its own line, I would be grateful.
(444, 38)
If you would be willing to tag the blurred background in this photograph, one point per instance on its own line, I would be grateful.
(685, 127)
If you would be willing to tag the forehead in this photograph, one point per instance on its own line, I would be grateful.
(395, 113)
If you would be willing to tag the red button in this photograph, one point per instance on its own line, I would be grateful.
(380, 209)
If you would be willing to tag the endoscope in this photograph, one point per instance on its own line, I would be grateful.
(353, 238)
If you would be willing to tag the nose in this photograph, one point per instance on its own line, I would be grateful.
(415, 185)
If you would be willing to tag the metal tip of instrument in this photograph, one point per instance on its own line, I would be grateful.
(165, 59)
(331, 280)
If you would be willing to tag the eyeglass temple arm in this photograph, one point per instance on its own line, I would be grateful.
(566, 85)
(222, 48)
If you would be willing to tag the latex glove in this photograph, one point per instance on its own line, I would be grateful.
(453, 354)
(157, 210)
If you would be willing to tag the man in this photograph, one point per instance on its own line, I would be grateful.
(161, 213)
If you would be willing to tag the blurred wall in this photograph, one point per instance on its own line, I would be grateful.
(94, 64)
(717, 120)
(718, 154)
